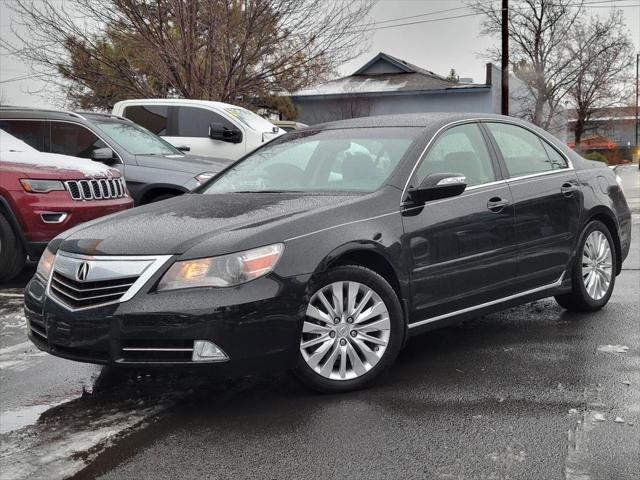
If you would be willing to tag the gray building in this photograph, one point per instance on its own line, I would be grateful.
(387, 85)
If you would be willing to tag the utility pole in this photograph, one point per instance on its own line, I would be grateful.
(505, 59)
(637, 104)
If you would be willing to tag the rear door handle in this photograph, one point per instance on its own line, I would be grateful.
(568, 189)
(497, 204)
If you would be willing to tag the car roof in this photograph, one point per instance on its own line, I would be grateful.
(431, 119)
(49, 114)
(177, 101)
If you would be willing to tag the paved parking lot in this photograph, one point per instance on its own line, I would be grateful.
(529, 393)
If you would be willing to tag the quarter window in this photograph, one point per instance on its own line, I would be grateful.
(525, 153)
(460, 149)
(31, 132)
(152, 117)
(75, 140)
(194, 122)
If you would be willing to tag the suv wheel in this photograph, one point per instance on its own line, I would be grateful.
(352, 332)
(12, 254)
(593, 273)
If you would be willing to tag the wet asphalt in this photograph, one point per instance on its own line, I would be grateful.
(528, 393)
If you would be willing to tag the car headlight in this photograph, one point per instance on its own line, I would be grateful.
(223, 271)
(45, 264)
(203, 177)
(41, 186)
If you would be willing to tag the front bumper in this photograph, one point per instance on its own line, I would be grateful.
(257, 325)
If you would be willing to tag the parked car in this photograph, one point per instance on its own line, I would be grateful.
(201, 127)
(43, 194)
(289, 125)
(153, 168)
(305, 256)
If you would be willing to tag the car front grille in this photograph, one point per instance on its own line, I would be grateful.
(88, 294)
(96, 189)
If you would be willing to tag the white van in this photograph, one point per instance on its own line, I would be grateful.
(201, 127)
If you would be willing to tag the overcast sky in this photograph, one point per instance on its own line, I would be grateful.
(437, 45)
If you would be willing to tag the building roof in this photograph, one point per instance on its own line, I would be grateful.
(385, 74)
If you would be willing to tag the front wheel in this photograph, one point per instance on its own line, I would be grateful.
(352, 332)
(593, 274)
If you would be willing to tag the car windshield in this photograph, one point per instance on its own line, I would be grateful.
(250, 119)
(349, 160)
(136, 140)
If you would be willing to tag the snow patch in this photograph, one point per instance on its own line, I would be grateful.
(613, 348)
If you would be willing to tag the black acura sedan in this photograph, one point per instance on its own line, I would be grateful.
(325, 249)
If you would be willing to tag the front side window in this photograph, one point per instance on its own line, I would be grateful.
(194, 122)
(31, 132)
(74, 140)
(460, 149)
(350, 160)
(136, 140)
(152, 117)
(524, 153)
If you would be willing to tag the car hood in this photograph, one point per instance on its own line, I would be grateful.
(54, 166)
(183, 163)
(206, 225)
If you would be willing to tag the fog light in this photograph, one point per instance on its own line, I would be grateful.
(206, 351)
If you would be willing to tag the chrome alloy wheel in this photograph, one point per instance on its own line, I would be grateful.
(346, 331)
(596, 265)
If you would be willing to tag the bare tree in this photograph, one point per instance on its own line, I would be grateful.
(240, 51)
(540, 33)
(604, 77)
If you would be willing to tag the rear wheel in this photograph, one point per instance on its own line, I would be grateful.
(593, 273)
(12, 254)
(352, 332)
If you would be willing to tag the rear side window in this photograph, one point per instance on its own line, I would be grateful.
(194, 122)
(524, 152)
(152, 117)
(31, 132)
(73, 139)
(460, 149)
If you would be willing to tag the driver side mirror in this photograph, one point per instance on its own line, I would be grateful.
(104, 155)
(439, 185)
(217, 131)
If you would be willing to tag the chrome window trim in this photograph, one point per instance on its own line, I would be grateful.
(158, 262)
(487, 120)
(540, 174)
(555, 284)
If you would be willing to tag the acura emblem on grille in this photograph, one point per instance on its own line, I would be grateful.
(83, 271)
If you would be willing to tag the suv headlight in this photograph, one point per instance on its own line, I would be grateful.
(223, 271)
(45, 264)
(41, 186)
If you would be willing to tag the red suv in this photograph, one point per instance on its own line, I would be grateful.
(43, 194)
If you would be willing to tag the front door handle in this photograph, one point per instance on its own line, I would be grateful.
(568, 189)
(497, 204)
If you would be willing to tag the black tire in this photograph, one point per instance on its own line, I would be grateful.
(12, 254)
(579, 300)
(381, 287)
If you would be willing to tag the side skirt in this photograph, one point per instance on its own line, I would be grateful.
(457, 316)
